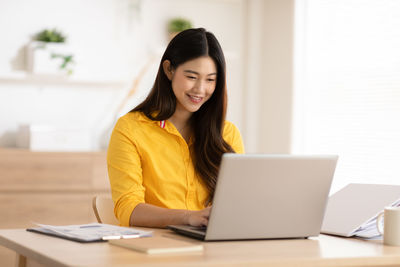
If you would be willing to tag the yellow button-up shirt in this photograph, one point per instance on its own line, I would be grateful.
(150, 162)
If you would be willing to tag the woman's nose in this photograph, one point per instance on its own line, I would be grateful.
(200, 86)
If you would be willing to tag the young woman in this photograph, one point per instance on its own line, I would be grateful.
(164, 156)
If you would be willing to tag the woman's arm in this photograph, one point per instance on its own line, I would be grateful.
(148, 215)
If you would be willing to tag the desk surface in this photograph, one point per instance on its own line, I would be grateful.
(317, 251)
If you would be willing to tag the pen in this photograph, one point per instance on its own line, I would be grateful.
(110, 237)
(89, 226)
(130, 236)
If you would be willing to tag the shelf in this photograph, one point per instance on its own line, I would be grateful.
(27, 171)
(24, 78)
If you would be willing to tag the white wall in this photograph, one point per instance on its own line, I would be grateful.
(95, 33)
(94, 29)
(278, 76)
(269, 76)
(111, 41)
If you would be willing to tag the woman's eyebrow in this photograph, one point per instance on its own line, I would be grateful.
(195, 72)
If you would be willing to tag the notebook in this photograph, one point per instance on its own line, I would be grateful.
(260, 196)
(353, 209)
(157, 245)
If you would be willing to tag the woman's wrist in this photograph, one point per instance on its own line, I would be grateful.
(186, 216)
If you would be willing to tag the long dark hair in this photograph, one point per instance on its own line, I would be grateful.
(207, 122)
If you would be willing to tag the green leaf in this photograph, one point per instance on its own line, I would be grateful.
(50, 36)
(179, 24)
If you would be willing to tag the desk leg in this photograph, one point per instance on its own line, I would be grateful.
(20, 261)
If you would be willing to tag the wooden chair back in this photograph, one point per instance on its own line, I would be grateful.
(103, 208)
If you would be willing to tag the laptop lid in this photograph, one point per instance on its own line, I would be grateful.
(356, 204)
(260, 196)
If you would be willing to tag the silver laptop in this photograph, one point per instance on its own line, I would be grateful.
(260, 196)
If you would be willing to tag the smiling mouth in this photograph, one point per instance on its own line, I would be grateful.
(195, 99)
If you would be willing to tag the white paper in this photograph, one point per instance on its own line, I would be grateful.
(369, 230)
(94, 231)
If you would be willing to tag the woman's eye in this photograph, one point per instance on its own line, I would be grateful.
(211, 80)
(191, 77)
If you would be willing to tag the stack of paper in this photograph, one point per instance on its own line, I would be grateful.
(369, 230)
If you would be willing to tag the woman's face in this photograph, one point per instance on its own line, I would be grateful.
(193, 83)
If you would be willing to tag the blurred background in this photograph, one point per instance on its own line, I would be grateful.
(304, 77)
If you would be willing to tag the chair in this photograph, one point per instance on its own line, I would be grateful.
(103, 208)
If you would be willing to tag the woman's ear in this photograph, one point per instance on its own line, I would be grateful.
(168, 69)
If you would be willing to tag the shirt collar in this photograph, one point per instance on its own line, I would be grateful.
(164, 124)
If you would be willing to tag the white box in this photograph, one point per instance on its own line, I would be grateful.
(49, 138)
(40, 61)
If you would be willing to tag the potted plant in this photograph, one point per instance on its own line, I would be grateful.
(176, 25)
(48, 53)
(50, 36)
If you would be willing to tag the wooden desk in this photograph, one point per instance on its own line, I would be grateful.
(319, 251)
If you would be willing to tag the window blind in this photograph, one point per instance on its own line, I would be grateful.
(347, 87)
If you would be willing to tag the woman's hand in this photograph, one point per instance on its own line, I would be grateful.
(148, 215)
(198, 217)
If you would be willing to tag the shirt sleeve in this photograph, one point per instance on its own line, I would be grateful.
(125, 172)
(233, 137)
